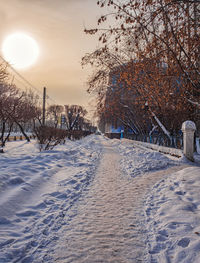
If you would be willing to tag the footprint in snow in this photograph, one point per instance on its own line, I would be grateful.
(184, 242)
(180, 193)
(163, 233)
(7, 242)
(4, 221)
(41, 205)
(72, 181)
(27, 213)
(148, 211)
(62, 196)
(77, 187)
(176, 183)
(49, 201)
(190, 199)
(47, 219)
(161, 238)
(157, 248)
(16, 181)
(173, 225)
(190, 207)
(54, 194)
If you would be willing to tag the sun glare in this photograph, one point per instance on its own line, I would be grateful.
(20, 50)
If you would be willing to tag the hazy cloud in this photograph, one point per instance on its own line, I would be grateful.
(57, 26)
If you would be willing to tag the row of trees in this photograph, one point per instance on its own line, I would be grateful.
(21, 111)
(146, 74)
(71, 117)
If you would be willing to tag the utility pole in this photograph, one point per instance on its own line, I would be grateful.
(44, 105)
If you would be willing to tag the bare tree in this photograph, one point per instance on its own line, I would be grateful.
(73, 113)
(54, 111)
(9, 98)
(157, 42)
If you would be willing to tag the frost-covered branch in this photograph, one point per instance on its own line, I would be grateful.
(166, 132)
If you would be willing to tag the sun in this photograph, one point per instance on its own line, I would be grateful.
(20, 50)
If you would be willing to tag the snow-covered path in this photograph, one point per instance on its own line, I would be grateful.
(108, 226)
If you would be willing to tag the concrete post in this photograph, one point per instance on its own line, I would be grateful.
(188, 129)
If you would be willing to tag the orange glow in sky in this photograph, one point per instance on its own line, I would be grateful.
(58, 29)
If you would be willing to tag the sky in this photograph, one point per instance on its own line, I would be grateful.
(58, 27)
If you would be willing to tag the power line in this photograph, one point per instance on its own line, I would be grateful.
(25, 80)
(19, 75)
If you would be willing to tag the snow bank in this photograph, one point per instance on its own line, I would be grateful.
(162, 149)
(173, 218)
(172, 207)
(37, 193)
(136, 161)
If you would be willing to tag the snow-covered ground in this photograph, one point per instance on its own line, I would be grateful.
(39, 190)
(36, 192)
(136, 161)
(171, 208)
(17, 133)
(173, 218)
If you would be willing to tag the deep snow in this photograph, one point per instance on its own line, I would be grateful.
(136, 161)
(39, 190)
(171, 208)
(173, 218)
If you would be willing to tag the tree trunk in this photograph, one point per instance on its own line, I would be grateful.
(2, 133)
(8, 135)
(23, 132)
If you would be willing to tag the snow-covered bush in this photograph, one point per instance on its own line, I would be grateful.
(77, 134)
(49, 137)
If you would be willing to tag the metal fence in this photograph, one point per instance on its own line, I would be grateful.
(161, 140)
(173, 142)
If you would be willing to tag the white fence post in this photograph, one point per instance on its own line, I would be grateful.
(188, 129)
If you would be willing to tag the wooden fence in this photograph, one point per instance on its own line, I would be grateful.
(19, 138)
